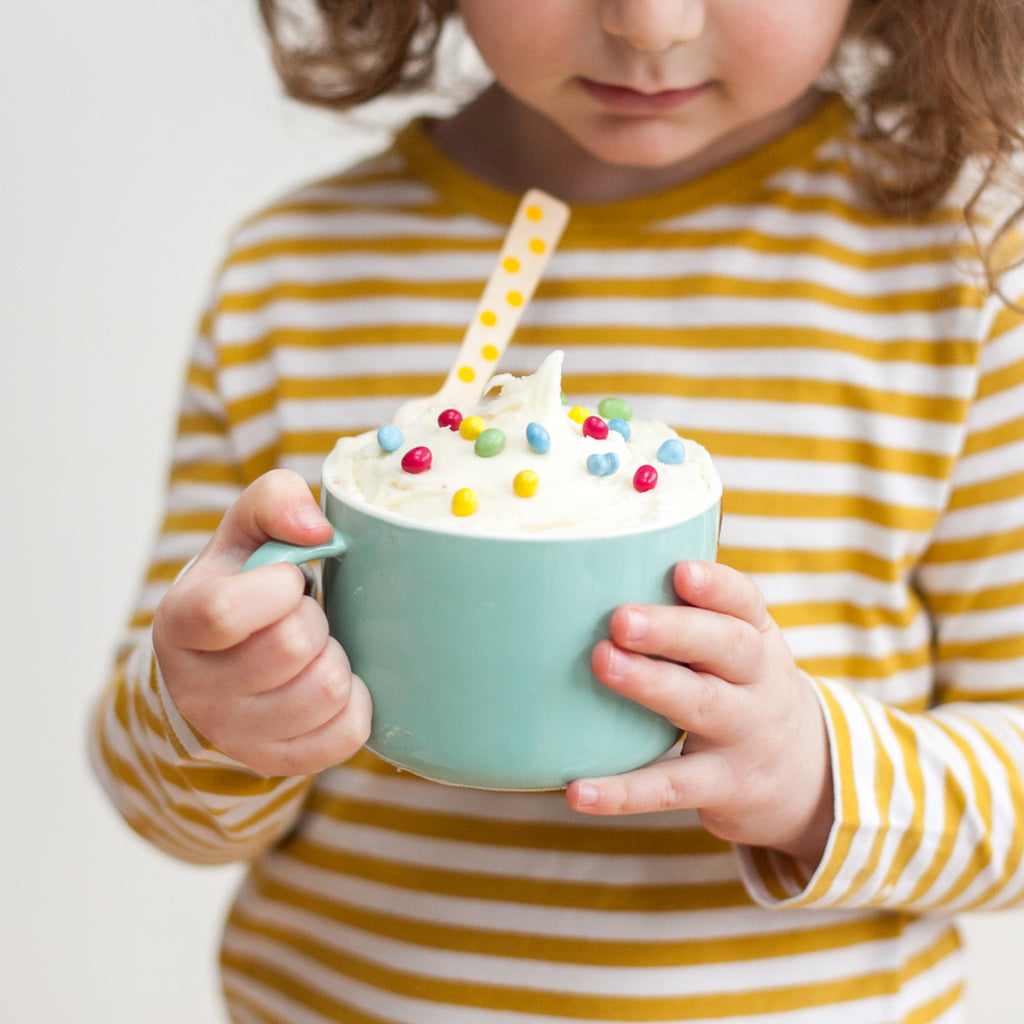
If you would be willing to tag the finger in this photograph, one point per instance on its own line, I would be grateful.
(331, 743)
(216, 613)
(719, 588)
(306, 701)
(707, 641)
(272, 656)
(277, 506)
(692, 781)
(698, 702)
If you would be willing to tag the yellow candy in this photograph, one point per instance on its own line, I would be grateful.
(525, 483)
(471, 427)
(578, 414)
(464, 502)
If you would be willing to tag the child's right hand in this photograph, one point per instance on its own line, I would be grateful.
(247, 658)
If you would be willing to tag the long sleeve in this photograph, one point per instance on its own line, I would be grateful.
(168, 782)
(930, 803)
(861, 400)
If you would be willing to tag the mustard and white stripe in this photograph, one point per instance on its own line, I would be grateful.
(864, 402)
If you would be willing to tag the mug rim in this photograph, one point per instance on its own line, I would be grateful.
(464, 528)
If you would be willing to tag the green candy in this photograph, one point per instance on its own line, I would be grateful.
(489, 442)
(615, 408)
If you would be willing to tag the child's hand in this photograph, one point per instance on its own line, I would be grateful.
(247, 658)
(756, 760)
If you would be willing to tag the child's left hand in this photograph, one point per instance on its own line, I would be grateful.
(756, 759)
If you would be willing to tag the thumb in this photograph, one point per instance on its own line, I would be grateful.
(277, 506)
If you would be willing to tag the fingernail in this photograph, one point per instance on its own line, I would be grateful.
(636, 624)
(698, 574)
(309, 516)
(617, 662)
(586, 795)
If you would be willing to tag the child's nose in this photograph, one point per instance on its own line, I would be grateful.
(653, 25)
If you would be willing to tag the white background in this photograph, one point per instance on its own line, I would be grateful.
(134, 136)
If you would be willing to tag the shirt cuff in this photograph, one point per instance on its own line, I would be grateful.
(777, 880)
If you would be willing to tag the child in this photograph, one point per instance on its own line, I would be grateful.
(793, 284)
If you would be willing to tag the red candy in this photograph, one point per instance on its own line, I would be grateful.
(645, 478)
(594, 426)
(450, 418)
(417, 460)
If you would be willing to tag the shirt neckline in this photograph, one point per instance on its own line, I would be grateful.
(733, 181)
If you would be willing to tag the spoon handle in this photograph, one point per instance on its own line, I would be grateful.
(532, 237)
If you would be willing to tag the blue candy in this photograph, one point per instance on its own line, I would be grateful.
(389, 437)
(538, 438)
(603, 464)
(672, 452)
(618, 424)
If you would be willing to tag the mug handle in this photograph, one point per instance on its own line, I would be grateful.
(275, 551)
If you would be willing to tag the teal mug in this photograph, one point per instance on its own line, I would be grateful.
(476, 649)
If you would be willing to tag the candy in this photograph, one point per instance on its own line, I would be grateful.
(538, 439)
(615, 408)
(672, 452)
(389, 437)
(620, 426)
(464, 502)
(417, 460)
(645, 478)
(603, 464)
(520, 465)
(525, 483)
(489, 442)
(471, 427)
(450, 418)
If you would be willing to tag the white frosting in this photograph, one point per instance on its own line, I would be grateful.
(568, 499)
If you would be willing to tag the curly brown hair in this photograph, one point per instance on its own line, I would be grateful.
(937, 86)
(941, 91)
(340, 53)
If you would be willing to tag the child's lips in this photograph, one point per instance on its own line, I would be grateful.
(623, 99)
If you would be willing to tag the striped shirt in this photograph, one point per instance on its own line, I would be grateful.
(864, 401)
